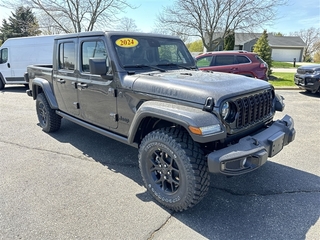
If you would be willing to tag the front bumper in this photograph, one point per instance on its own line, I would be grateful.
(308, 82)
(252, 152)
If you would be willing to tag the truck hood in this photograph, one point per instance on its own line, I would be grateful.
(195, 86)
(314, 67)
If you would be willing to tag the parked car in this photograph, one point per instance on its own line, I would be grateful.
(17, 53)
(308, 78)
(238, 62)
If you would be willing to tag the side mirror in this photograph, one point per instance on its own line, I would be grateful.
(99, 66)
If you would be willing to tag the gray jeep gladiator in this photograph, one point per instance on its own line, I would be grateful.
(145, 90)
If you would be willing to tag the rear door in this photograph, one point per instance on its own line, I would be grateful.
(97, 96)
(225, 63)
(65, 77)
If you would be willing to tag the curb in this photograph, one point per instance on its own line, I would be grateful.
(287, 88)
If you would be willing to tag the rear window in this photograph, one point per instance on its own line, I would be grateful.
(242, 59)
(260, 60)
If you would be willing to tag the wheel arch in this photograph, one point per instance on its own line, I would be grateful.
(40, 85)
(153, 115)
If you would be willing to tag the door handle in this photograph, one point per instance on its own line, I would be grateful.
(82, 85)
(61, 81)
(8, 65)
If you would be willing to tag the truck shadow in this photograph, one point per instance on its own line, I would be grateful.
(275, 202)
(309, 94)
(15, 89)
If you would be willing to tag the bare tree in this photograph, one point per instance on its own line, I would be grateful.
(127, 24)
(311, 37)
(75, 15)
(203, 18)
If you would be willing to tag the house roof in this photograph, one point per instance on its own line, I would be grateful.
(292, 41)
(274, 41)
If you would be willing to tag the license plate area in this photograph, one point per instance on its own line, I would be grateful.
(276, 143)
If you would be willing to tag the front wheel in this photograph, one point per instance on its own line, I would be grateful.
(173, 168)
(1, 84)
(48, 119)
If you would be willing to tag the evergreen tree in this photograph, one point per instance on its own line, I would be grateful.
(263, 49)
(229, 40)
(22, 23)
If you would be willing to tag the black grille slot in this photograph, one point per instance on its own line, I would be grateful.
(253, 109)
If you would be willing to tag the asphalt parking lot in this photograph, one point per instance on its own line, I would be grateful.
(76, 184)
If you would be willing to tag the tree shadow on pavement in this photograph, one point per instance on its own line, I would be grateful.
(274, 202)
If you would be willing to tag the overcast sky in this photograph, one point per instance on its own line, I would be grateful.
(294, 17)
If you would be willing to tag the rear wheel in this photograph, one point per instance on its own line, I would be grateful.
(173, 168)
(48, 119)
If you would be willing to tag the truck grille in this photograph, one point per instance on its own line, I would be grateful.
(254, 108)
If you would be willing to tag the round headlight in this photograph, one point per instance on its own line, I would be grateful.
(225, 110)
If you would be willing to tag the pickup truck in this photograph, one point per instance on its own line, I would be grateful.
(146, 91)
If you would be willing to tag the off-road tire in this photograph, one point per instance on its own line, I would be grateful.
(173, 168)
(49, 121)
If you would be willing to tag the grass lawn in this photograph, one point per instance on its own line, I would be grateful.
(283, 65)
(281, 79)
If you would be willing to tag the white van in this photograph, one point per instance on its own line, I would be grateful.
(17, 53)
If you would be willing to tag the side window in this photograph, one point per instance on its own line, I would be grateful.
(67, 56)
(242, 59)
(91, 49)
(224, 60)
(204, 61)
(4, 55)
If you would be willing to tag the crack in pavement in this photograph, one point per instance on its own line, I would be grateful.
(261, 194)
(162, 225)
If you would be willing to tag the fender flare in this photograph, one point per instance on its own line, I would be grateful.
(184, 116)
(46, 89)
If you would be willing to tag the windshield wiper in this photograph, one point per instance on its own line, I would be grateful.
(175, 64)
(144, 65)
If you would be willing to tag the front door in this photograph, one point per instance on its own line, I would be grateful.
(65, 78)
(97, 96)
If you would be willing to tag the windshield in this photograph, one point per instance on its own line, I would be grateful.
(147, 51)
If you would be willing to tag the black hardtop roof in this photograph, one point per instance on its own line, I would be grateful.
(112, 33)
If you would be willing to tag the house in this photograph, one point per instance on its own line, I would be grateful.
(284, 48)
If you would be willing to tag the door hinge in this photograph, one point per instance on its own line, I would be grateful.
(77, 105)
(114, 116)
(112, 91)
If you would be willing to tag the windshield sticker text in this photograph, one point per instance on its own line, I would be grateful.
(127, 42)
